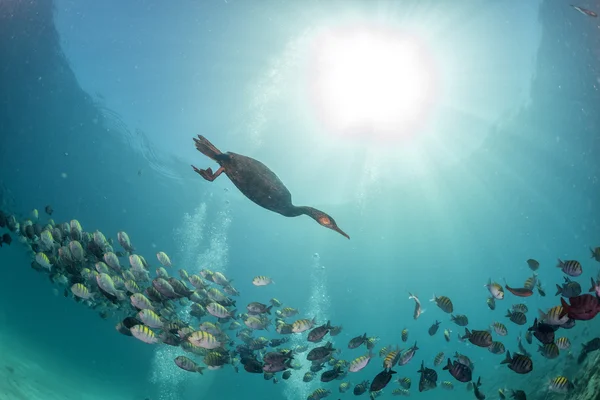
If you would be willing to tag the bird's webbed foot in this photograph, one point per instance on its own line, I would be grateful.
(208, 173)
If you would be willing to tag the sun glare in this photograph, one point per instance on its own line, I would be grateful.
(380, 81)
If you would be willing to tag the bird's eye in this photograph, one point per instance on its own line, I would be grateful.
(324, 221)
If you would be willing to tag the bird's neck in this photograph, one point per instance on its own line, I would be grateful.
(296, 211)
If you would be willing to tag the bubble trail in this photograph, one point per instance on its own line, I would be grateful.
(318, 306)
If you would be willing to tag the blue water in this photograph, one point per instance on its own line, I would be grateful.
(100, 101)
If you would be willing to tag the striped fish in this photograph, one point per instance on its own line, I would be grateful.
(500, 328)
(518, 363)
(163, 258)
(217, 310)
(303, 325)
(497, 348)
(143, 333)
(262, 281)
(101, 267)
(404, 335)
(76, 251)
(495, 289)
(563, 343)
(100, 239)
(570, 267)
(344, 386)
(81, 291)
(460, 319)
(47, 240)
(319, 394)
(188, 365)
(553, 316)
(404, 382)
(478, 338)
(531, 281)
(136, 262)
(140, 302)
(112, 261)
(124, 241)
(439, 358)
(560, 384)
(76, 230)
(132, 287)
(43, 260)
(150, 318)
(517, 317)
(204, 340)
(360, 362)
(520, 307)
(549, 350)
(391, 358)
(444, 303)
(447, 385)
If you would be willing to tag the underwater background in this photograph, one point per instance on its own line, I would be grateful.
(99, 102)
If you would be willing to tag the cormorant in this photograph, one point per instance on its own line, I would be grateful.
(258, 183)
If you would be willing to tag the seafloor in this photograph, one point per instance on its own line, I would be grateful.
(30, 373)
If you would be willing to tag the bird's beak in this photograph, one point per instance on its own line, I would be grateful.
(341, 232)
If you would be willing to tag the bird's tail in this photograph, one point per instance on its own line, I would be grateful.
(207, 148)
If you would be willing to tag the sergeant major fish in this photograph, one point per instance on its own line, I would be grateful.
(188, 365)
(444, 303)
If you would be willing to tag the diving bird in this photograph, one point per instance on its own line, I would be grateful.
(258, 183)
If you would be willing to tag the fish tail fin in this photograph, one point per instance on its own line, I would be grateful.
(508, 358)
(433, 298)
(565, 307)
(542, 314)
(593, 288)
(467, 334)
(269, 309)
(207, 148)
(560, 263)
(199, 369)
(232, 313)
(448, 365)
(558, 289)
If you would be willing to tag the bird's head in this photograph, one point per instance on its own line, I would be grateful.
(328, 222)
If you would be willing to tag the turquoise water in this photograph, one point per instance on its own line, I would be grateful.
(100, 102)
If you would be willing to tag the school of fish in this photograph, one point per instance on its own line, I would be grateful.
(120, 284)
